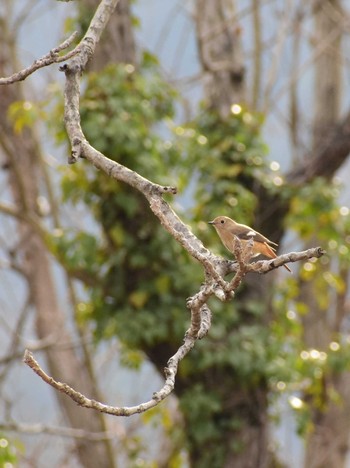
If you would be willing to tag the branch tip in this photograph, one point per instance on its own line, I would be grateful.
(28, 357)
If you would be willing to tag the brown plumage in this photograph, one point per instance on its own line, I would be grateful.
(227, 228)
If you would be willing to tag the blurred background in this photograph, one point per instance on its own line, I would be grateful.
(244, 106)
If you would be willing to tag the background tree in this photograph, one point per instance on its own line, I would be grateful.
(257, 349)
(26, 178)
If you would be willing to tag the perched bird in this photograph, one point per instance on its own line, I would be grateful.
(227, 229)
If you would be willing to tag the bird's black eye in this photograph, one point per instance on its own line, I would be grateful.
(222, 221)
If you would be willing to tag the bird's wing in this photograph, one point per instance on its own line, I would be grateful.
(245, 233)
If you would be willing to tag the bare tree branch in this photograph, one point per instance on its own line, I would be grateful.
(264, 266)
(15, 340)
(60, 431)
(48, 59)
(82, 400)
(200, 324)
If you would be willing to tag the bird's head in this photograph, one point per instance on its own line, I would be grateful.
(221, 222)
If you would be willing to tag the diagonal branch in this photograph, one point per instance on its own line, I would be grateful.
(51, 57)
(73, 72)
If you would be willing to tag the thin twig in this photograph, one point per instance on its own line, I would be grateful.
(60, 431)
(264, 266)
(51, 57)
(81, 400)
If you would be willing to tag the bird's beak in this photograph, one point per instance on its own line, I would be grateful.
(211, 222)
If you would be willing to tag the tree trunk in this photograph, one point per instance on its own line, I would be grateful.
(22, 160)
(220, 53)
(327, 444)
(327, 68)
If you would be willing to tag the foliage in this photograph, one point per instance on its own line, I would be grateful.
(8, 452)
(315, 212)
(24, 114)
(316, 216)
(229, 157)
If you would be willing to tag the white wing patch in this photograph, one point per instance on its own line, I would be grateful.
(251, 234)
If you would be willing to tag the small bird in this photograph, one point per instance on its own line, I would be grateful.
(227, 228)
